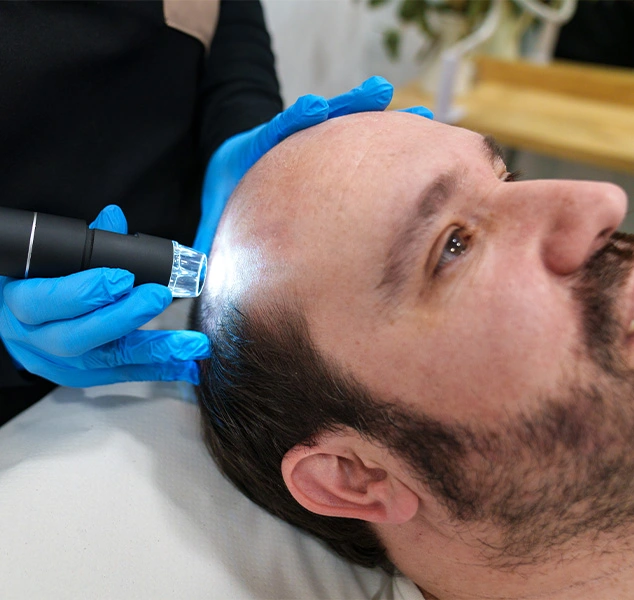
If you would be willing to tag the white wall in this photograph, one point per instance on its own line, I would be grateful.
(328, 46)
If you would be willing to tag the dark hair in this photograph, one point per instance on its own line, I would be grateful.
(266, 389)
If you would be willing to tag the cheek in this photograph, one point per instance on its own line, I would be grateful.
(491, 346)
(517, 335)
(515, 323)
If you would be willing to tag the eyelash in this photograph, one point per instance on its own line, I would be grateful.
(513, 176)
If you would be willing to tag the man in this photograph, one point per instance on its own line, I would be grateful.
(427, 363)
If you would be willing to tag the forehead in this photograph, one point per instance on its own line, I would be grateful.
(321, 205)
(382, 144)
(368, 172)
(351, 164)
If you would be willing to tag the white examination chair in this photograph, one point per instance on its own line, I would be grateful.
(109, 493)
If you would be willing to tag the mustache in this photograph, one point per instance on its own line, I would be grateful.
(620, 246)
(603, 276)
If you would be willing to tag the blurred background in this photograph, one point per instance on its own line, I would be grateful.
(327, 46)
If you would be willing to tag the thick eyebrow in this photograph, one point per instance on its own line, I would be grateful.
(401, 257)
(492, 150)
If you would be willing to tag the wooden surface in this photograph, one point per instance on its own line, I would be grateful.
(565, 110)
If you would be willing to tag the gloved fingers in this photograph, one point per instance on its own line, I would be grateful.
(240, 152)
(111, 218)
(423, 111)
(148, 348)
(205, 234)
(37, 301)
(307, 111)
(373, 94)
(178, 371)
(106, 324)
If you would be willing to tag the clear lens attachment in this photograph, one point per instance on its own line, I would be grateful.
(189, 269)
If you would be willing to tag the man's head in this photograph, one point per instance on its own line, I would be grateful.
(403, 337)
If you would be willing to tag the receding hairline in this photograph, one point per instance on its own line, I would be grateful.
(315, 142)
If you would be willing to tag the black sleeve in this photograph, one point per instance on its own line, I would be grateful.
(240, 88)
(9, 375)
(18, 389)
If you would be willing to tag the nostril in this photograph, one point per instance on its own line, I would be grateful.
(604, 234)
(601, 241)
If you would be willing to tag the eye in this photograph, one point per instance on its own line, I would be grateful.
(455, 246)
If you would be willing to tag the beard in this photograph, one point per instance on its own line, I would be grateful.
(565, 470)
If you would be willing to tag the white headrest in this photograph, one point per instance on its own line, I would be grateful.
(110, 493)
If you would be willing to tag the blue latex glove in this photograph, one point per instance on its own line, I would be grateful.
(240, 152)
(81, 330)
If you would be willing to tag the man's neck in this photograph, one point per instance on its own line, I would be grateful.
(611, 585)
(455, 568)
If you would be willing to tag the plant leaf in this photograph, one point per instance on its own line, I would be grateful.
(392, 43)
(409, 10)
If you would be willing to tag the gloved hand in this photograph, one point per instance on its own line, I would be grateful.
(81, 330)
(240, 152)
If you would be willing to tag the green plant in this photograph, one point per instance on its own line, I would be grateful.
(424, 15)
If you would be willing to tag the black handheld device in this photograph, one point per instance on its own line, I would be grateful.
(34, 244)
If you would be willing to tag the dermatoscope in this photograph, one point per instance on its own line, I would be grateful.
(34, 244)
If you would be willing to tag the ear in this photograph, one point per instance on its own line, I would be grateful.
(343, 475)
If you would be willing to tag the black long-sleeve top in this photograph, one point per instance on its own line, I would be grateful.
(104, 102)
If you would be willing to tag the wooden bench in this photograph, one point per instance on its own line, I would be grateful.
(567, 110)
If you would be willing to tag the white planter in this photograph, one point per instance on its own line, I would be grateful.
(451, 28)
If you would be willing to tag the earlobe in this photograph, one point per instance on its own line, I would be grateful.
(335, 479)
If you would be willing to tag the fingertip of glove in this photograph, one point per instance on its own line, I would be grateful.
(111, 218)
(376, 81)
(162, 294)
(187, 345)
(119, 280)
(113, 210)
(421, 111)
(379, 87)
(199, 347)
(150, 299)
(311, 105)
(183, 371)
(191, 373)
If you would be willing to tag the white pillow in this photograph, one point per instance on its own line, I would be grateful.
(110, 493)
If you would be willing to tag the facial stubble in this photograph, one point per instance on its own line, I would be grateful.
(562, 471)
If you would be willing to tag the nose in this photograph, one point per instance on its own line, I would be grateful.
(573, 219)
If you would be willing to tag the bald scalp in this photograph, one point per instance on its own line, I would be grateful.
(294, 168)
(269, 220)
(312, 164)
(294, 219)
